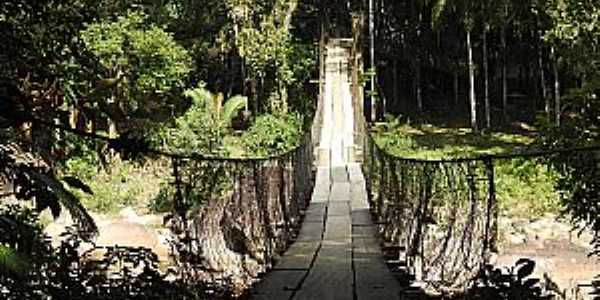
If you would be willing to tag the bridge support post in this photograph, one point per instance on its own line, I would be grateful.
(491, 230)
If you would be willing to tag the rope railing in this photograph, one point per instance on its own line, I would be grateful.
(442, 214)
(257, 202)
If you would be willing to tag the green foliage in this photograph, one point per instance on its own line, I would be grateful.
(514, 283)
(271, 135)
(12, 262)
(263, 38)
(147, 54)
(525, 188)
(577, 172)
(433, 142)
(21, 243)
(145, 69)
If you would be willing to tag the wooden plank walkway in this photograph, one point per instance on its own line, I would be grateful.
(337, 254)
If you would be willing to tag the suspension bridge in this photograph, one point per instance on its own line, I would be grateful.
(338, 252)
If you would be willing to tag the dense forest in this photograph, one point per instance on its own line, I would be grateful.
(101, 99)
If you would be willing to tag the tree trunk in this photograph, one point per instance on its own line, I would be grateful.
(557, 105)
(73, 117)
(543, 81)
(112, 129)
(472, 99)
(486, 80)
(456, 86)
(504, 75)
(372, 58)
(418, 90)
(395, 81)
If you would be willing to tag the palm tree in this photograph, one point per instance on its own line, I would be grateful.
(208, 119)
(221, 112)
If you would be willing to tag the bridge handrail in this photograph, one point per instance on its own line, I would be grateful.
(255, 202)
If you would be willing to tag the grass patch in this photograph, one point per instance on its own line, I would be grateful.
(432, 142)
(525, 187)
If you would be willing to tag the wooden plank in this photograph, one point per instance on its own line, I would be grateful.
(278, 285)
(331, 276)
(321, 192)
(299, 256)
(355, 174)
(365, 240)
(361, 217)
(338, 228)
(323, 172)
(340, 191)
(339, 208)
(311, 232)
(358, 196)
(373, 278)
(339, 174)
(316, 212)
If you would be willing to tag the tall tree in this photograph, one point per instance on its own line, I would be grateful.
(465, 9)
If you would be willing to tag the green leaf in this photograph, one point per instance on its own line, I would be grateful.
(70, 202)
(231, 109)
(525, 267)
(13, 263)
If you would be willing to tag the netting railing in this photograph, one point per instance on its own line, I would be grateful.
(256, 204)
(441, 214)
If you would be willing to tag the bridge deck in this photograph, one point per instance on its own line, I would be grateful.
(337, 254)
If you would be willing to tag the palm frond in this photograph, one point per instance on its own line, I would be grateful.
(232, 108)
(71, 203)
(200, 96)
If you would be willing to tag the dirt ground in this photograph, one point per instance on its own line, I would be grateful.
(561, 255)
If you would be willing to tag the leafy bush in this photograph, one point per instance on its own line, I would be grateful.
(578, 172)
(142, 71)
(271, 135)
(525, 188)
(509, 284)
(130, 45)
